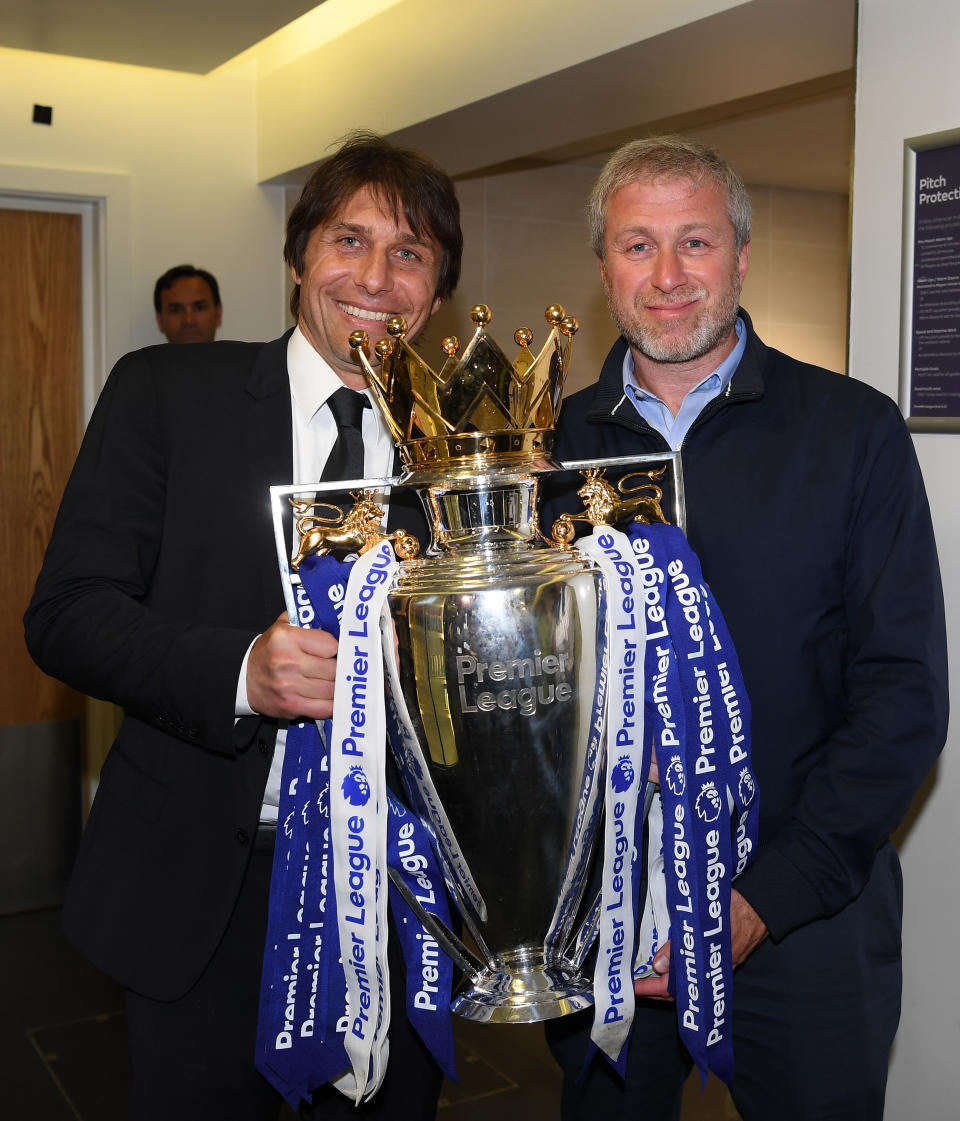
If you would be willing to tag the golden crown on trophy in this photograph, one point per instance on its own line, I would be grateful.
(479, 403)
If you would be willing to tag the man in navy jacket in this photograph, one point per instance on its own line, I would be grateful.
(806, 506)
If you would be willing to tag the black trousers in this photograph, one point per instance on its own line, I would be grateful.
(813, 1023)
(193, 1058)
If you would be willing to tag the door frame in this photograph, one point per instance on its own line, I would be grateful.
(102, 199)
(91, 278)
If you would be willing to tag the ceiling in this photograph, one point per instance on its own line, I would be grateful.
(806, 143)
(799, 136)
(191, 35)
(796, 137)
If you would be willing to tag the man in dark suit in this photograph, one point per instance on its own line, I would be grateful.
(160, 592)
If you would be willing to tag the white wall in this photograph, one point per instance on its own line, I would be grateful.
(909, 85)
(174, 155)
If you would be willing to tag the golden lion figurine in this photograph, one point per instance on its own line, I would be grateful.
(605, 504)
(359, 530)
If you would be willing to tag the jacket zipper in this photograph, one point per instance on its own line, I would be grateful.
(710, 409)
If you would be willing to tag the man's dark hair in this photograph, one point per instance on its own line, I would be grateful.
(179, 272)
(405, 180)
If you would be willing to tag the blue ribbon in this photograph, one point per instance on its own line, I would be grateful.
(298, 1044)
(698, 709)
(302, 1016)
(429, 970)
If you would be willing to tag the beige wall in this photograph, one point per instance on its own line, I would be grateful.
(908, 84)
(174, 157)
(526, 246)
(797, 288)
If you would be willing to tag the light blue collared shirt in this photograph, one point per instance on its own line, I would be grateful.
(658, 415)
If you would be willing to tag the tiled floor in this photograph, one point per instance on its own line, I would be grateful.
(63, 1053)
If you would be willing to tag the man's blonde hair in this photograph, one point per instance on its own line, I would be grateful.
(667, 157)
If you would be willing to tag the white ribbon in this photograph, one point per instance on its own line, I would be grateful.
(626, 642)
(358, 820)
(654, 930)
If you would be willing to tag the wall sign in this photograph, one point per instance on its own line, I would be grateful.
(930, 299)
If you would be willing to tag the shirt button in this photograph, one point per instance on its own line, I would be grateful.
(243, 836)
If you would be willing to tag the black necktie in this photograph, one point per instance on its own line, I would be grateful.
(346, 456)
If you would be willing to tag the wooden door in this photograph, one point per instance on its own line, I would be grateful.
(41, 403)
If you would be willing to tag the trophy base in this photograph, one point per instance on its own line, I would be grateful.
(525, 991)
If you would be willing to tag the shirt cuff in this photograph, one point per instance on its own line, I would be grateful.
(242, 705)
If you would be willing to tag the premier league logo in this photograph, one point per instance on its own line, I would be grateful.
(674, 777)
(355, 787)
(747, 787)
(621, 777)
(709, 804)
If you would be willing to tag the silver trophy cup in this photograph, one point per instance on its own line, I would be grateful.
(493, 697)
(494, 664)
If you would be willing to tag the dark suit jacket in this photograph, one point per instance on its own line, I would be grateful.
(161, 570)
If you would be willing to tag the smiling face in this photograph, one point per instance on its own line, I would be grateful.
(359, 269)
(672, 272)
(188, 313)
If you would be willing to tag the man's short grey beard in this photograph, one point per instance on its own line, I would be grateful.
(708, 333)
(705, 337)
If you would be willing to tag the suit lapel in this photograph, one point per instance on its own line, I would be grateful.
(267, 450)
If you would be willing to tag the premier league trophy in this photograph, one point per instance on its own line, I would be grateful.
(494, 678)
(523, 683)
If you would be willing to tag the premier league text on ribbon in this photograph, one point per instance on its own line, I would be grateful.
(291, 978)
(627, 763)
(685, 940)
(694, 682)
(356, 633)
(284, 1039)
(359, 865)
(415, 864)
(690, 599)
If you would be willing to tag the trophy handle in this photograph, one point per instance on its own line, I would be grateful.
(581, 942)
(446, 939)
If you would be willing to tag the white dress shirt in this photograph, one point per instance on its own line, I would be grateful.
(312, 382)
